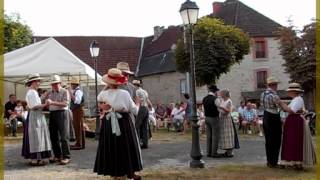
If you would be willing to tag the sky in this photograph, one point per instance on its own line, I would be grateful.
(135, 17)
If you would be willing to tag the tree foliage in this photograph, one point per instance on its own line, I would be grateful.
(299, 53)
(16, 33)
(216, 46)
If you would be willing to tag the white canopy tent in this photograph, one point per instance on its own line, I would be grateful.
(46, 57)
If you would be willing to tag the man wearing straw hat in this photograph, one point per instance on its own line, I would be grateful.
(272, 126)
(125, 69)
(142, 120)
(58, 100)
(76, 106)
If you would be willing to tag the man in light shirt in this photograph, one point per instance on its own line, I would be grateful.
(58, 99)
(142, 120)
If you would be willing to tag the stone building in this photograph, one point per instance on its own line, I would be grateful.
(245, 80)
(152, 57)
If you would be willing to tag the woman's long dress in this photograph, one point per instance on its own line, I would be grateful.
(36, 137)
(227, 140)
(297, 143)
(118, 155)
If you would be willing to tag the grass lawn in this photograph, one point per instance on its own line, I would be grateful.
(238, 172)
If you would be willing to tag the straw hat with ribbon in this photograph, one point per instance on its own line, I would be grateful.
(114, 77)
(295, 87)
(34, 77)
(124, 67)
(272, 80)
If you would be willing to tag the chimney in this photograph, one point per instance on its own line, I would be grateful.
(158, 30)
(216, 7)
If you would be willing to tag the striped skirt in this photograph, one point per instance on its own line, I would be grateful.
(227, 140)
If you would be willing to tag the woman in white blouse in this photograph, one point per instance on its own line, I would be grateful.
(297, 148)
(118, 153)
(36, 139)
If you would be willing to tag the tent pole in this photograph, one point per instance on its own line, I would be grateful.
(15, 88)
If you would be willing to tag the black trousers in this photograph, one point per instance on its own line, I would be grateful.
(142, 126)
(272, 128)
(59, 133)
(213, 134)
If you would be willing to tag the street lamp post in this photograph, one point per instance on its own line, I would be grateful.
(189, 13)
(94, 51)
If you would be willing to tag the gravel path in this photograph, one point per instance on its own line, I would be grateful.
(161, 154)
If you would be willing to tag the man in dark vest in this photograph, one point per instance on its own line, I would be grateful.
(210, 104)
(76, 106)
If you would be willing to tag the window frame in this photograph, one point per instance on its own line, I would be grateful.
(256, 71)
(260, 39)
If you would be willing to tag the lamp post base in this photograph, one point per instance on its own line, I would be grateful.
(196, 163)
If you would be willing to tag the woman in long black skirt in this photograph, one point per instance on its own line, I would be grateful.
(118, 153)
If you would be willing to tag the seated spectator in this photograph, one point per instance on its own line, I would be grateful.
(249, 116)
(178, 116)
(10, 105)
(17, 115)
(168, 118)
(259, 118)
(161, 113)
(241, 108)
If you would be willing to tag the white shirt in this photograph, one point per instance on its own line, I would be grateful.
(143, 95)
(118, 99)
(32, 98)
(178, 113)
(296, 104)
(18, 110)
(78, 96)
(240, 110)
(225, 104)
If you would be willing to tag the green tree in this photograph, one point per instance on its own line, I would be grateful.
(299, 53)
(216, 46)
(298, 49)
(16, 33)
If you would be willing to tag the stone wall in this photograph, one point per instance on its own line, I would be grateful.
(242, 76)
(164, 87)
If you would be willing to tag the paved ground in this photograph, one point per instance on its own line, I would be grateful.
(161, 154)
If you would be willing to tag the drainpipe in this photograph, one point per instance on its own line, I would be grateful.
(140, 56)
